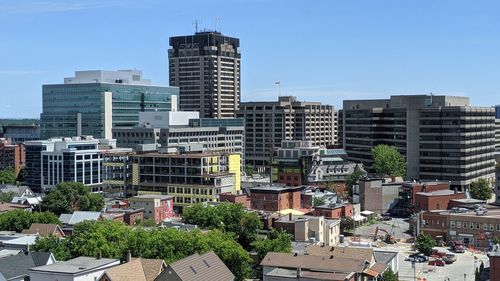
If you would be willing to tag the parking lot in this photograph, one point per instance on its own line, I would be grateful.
(463, 265)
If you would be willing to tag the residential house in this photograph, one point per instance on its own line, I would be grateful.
(69, 220)
(16, 267)
(157, 207)
(197, 267)
(137, 269)
(44, 229)
(310, 228)
(77, 269)
(18, 241)
(5, 207)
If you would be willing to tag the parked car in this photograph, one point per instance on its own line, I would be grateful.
(437, 262)
(457, 246)
(450, 258)
(417, 258)
(437, 254)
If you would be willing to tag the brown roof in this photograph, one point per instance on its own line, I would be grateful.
(137, 269)
(4, 207)
(355, 253)
(199, 268)
(43, 229)
(311, 262)
(376, 269)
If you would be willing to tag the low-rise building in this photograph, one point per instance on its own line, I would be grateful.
(11, 155)
(5, 207)
(314, 229)
(409, 190)
(16, 267)
(69, 220)
(494, 256)
(436, 200)
(207, 266)
(77, 269)
(379, 195)
(156, 207)
(275, 198)
(334, 211)
(238, 198)
(130, 216)
(45, 229)
(137, 269)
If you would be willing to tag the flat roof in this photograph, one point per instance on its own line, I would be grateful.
(439, 192)
(76, 265)
(153, 196)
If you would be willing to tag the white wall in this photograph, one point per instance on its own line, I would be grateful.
(164, 119)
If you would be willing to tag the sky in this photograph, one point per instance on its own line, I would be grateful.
(320, 50)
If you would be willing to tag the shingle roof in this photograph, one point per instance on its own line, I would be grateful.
(376, 269)
(137, 269)
(384, 256)
(43, 229)
(19, 264)
(355, 253)
(311, 262)
(199, 268)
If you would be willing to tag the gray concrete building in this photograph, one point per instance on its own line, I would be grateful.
(21, 133)
(267, 123)
(206, 68)
(442, 137)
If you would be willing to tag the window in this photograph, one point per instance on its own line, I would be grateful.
(465, 225)
(452, 224)
(485, 226)
(477, 226)
(498, 227)
(459, 224)
(492, 227)
(471, 225)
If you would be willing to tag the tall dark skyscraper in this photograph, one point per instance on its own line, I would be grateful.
(206, 68)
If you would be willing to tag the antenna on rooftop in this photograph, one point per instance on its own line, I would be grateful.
(195, 25)
(217, 19)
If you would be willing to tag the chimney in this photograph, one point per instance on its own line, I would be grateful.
(99, 255)
(299, 272)
(290, 217)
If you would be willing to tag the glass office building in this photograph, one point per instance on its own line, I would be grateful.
(93, 102)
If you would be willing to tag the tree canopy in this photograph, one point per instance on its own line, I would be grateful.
(17, 220)
(277, 241)
(68, 197)
(480, 189)
(112, 239)
(7, 197)
(226, 217)
(425, 243)
(389, 275)
(387, 161)
(7, 176)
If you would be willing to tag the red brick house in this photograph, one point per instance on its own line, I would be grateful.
(334, 211)
(275, 198)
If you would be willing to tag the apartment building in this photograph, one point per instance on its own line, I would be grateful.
(206, 68)
(93, 102)
(11, 155)
(442, 137)
(157, 207)
(76, 159)
(497, 127)
(268, 123)
(179, 128)
(191, 177)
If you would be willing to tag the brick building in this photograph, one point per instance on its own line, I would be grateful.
(436, 200)
(11, 156)
(495, 263)
(239, 198)
(157, 207)
(336, 211)
(379, 195)
(410, 189)
(130, 216)
(275, 198)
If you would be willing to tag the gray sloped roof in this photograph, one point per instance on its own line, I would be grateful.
(19, 264)
(384, 256)
(78, 217)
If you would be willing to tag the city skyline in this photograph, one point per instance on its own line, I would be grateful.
(323, 51)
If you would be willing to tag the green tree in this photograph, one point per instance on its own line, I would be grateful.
(249, 170)
(353, 178)
(7, 176)
(17, 220)
(68, 197)
(480, 189)
(346, 224)
(389, 275)
(278, 241)
(318, 201)
(59, 247)
(6, 197)
(425, 243)
(147, 223)
(387, 161)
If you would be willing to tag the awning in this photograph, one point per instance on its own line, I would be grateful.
(359, 218)
(367, 213)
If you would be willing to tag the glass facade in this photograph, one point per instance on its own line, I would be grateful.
(65, 104)
(497, 111)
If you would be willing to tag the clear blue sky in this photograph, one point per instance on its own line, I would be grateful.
(323, 50)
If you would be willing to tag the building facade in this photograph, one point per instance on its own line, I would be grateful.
(156, 207)
(11, 155)
(20, 133)
(206, 68)
(93, 102)
(275, 198)
(268, 123)
(77, 159)
(191, 177)
(442, 137)
(497, 128)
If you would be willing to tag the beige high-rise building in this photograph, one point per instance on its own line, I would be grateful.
(206, 68)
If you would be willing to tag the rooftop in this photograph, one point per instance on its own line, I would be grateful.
(152, 196)
(79, 216)
(310, 275)
(76, 265)
(439, 193)
(203, 267)
(138, 269)
(311, 262)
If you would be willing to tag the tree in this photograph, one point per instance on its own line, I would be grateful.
(17, 220)
(68, 197)
(318, 201)
(425, 243)
(352, 179)
(387, 161)
(480, 189)
(249, 170)
(346, 224)
(6, 197)
(278, 241)
(7, 176)
(59, 247)
(389, 275)
(147, 223)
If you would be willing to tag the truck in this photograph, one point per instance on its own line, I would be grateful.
(457, 246)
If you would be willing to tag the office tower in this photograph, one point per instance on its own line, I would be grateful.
(173, 129)
(206, 68)
(267, 123)
(497, 128)
(442, 137)
(21, 133)
(93, 102)
(76, 159)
